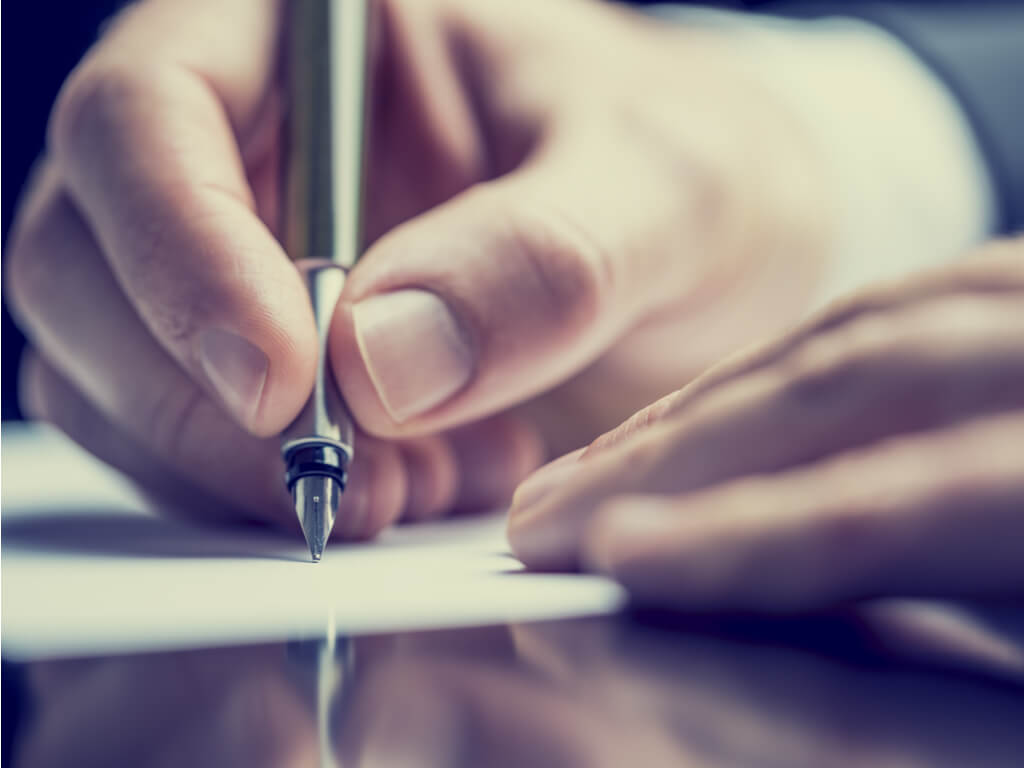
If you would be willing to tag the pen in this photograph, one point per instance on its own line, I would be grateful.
(327, 62)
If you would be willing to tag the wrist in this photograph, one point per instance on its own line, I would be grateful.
(763, 196)
(908, 185)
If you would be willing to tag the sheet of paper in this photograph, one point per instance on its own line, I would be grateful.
(87, 570)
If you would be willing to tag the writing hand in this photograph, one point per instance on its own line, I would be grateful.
(546, 210)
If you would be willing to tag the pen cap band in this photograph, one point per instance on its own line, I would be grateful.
(316, 459)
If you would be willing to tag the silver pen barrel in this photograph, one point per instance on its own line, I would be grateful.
(327, 60)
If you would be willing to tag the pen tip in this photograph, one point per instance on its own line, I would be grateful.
(316, 500)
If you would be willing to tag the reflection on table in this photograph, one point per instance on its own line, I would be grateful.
(845, 690)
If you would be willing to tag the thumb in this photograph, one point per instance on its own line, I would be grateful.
(500, 293)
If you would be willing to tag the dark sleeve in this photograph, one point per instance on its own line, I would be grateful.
(977, 48)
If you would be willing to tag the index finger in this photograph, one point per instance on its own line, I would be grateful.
(935, 514)
(147, 136)
(918, 369)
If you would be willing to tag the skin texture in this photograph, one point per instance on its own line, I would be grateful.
(874, 450)
(570, 213)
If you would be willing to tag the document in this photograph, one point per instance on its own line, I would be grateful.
(86, 569)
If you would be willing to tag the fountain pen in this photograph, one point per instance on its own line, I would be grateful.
(327, 61)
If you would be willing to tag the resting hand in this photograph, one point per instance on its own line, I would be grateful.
(876, 450)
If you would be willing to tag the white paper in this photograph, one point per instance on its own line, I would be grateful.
(87, 570)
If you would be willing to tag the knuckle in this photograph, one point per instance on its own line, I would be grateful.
(30, 264)
(94, 100)
(103, 82)
(569, 271)
(85, 96)
(828, 368)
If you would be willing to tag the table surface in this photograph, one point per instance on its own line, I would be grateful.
(903, 686)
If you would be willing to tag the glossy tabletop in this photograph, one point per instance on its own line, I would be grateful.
(893, 685)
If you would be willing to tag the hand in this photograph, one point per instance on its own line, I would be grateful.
(544, 218)
(210, 707)
(876, 450)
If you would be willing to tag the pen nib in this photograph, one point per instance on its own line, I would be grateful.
(316, 500)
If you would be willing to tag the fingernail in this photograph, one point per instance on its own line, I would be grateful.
(544, 480)
(545, 541)
(237, 369)
(415, 351)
